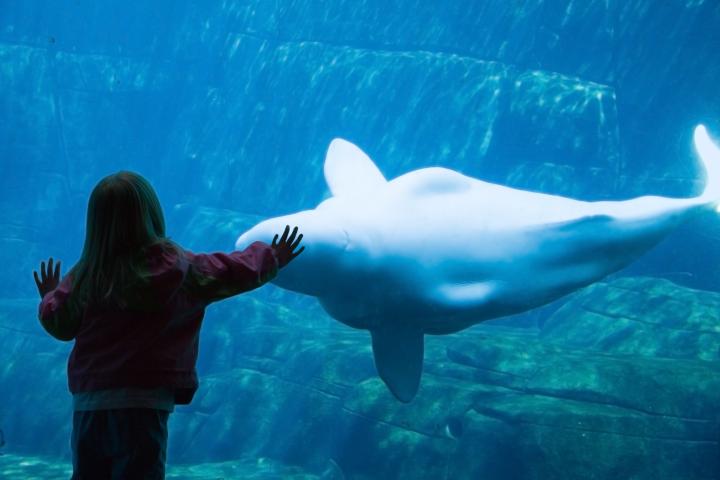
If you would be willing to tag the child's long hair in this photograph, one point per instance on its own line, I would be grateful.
(123, 218)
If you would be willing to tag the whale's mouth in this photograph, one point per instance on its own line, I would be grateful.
(347, 240)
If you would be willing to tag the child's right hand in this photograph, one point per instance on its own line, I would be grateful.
(284, 249)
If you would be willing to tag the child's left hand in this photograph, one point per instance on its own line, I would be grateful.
(50, 280)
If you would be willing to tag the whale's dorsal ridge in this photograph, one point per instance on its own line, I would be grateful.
(349, 171)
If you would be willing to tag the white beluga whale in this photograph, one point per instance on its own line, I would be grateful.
(434, 251)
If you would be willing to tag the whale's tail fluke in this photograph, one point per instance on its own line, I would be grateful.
(710, 157)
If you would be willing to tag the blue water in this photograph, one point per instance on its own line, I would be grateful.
(228, 109)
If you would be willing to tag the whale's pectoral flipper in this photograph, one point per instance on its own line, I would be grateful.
(399, 352)
(349, 171)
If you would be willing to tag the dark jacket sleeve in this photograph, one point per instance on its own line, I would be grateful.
(216, 276)
(55, 314)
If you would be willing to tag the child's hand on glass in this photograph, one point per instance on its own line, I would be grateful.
(284, 249)
(50, 280)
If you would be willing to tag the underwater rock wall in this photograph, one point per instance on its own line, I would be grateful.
(620, 381)
(232, 104)
(495, 402)
(183, 55)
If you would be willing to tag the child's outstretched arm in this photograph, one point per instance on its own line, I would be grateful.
(54, 313)
(217, 276)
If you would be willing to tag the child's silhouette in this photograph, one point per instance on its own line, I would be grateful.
(134, 304)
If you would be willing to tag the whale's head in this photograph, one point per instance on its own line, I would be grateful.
(324, 241)
(352, 178)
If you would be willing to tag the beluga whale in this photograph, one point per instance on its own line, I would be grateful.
(433, 251)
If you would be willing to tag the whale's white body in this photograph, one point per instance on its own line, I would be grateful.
(434, 251)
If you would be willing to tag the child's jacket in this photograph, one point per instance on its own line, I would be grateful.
(159, 347)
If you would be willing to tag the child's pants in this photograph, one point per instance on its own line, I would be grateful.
(128, 443)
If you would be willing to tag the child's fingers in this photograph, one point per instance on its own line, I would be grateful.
(37, 280)
(292, 235)
(283, 239)
(297, 242)
(57, 271)
(42, 271)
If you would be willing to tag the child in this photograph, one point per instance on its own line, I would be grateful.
(134, 304)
